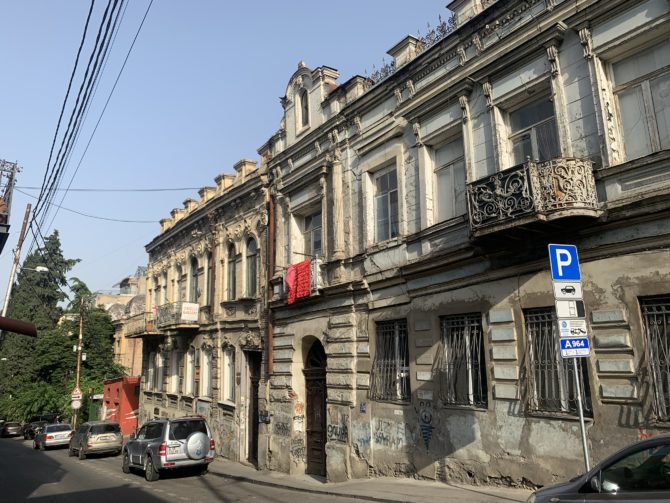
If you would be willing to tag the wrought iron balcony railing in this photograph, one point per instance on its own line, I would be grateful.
(532, 191)
(139, 324)
(184, 314)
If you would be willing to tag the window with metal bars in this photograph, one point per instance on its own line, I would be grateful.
(180, 358)
(390, 370)
(550, 380)
(459, 369)
(656, 317)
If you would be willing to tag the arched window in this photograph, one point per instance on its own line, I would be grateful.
(304, 108)
(252, 267)
(193, 290)
(231, 272)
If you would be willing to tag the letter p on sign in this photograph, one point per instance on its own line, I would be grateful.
(564, 263)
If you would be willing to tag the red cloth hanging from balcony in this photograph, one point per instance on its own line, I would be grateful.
(299, 280)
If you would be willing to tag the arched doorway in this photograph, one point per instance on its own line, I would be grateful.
(315, 410)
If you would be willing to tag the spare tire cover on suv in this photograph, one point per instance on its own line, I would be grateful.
(197, 445)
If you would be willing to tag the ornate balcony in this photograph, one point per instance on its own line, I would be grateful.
(178, 315)
(531, 192)
(140, 324)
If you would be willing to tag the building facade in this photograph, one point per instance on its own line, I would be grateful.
(203, 324)
(425, 199)
(410, 328)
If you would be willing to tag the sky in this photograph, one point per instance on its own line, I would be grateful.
(199, 91)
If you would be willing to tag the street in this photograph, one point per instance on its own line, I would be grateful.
(32, 475)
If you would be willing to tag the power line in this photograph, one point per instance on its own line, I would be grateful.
(109, 219)
(175, 189)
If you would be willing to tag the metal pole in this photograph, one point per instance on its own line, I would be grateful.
(15, 263)
(79, 340)
(581, 416)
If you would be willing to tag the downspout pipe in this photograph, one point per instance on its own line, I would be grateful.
(271, 268)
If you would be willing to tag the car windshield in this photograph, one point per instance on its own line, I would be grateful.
(98, 429)
(58, 427)
(180, 430)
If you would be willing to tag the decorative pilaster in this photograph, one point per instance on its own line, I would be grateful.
(560, 101)
(338, 214)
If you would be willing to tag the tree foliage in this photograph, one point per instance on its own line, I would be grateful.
(37, 375)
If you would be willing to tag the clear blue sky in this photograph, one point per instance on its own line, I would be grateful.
(200, 91)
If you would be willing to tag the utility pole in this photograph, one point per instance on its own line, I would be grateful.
(17, 257)
(76, 403)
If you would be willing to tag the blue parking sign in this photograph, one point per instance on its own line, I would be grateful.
(564, 263)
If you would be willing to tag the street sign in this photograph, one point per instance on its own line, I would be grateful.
(567, 290)
(76, 404)
(572, 327)
(570, 309)
(575, 347)
(76, 394)
(564, 263)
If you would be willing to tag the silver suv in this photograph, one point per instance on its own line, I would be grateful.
(168, 444)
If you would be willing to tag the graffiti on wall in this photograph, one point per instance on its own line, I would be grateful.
(338, 432)
(282, 429)
(426, 421)
(390, 434)
(298, 449)
(298, 424)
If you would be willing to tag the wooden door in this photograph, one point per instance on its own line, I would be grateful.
(254, 359)
(315, 384)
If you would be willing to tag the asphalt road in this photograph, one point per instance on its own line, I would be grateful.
(36, 476)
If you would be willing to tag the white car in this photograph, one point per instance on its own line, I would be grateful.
(52, 435)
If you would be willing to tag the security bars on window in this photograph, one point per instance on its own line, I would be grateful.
(550, 379)
(656, 313)
(390, 370)
(459, 371)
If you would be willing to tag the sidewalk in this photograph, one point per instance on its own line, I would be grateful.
(386, 490)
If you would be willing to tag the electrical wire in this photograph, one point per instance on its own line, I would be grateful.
(175, 189)
(109, 219)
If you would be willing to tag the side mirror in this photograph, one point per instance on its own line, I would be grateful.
(595, 483)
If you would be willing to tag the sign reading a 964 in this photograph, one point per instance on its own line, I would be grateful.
(564, 263)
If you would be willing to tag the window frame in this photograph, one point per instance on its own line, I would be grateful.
(532, 129)
(228, 374)
(385, 367)
(206, 385)
(448, 367)
(552, 372)
(251, 268)
(302, 109)
(231, 272)
(309, 232)
(376, 176)
(644, 83)
(449, 167)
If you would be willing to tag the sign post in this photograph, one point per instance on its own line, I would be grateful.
(574, 342)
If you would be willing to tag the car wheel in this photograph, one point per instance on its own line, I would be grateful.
(82, 454)
(150, 472)
(125, 465)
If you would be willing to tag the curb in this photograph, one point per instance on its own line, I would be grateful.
(242, 478)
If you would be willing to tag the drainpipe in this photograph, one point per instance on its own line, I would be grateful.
(271, 268)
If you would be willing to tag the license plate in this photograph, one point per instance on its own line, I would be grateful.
(62, 435)
(174, 450)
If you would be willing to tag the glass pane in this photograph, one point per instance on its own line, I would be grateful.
(547, 140)
(381, 214)
(642, 63)
(394, 213)
(531, 114)
(449, 153)
(459, 188)
(635, 129)
(644, 470)
(316, 220)
(522, 149)
(316, 250)
(445, 194)
(660, 93)
(392, 180)
(382, 184)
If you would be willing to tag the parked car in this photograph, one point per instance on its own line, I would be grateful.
(639, 473)
(169, 444)
(30, 429)
(52, 435)
(96, 437)
(10, 429)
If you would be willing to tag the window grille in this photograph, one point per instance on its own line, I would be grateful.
(196, 372)
(459, 371)
(390, 370)
(656, 314)
(180, 359)
(550, 379)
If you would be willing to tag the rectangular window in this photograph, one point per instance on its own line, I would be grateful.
(190, 371)
(174, 371)
(312, 234)
(551, 380)
(181, 359)
(533, 133)
(386, 205)
(196, 372)
(206, 373)
(390, 370)
(656, 314)
(459, 372)
(642, 88)
(151, 371)
(228, 373)
(160, 374)
(450, 180)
